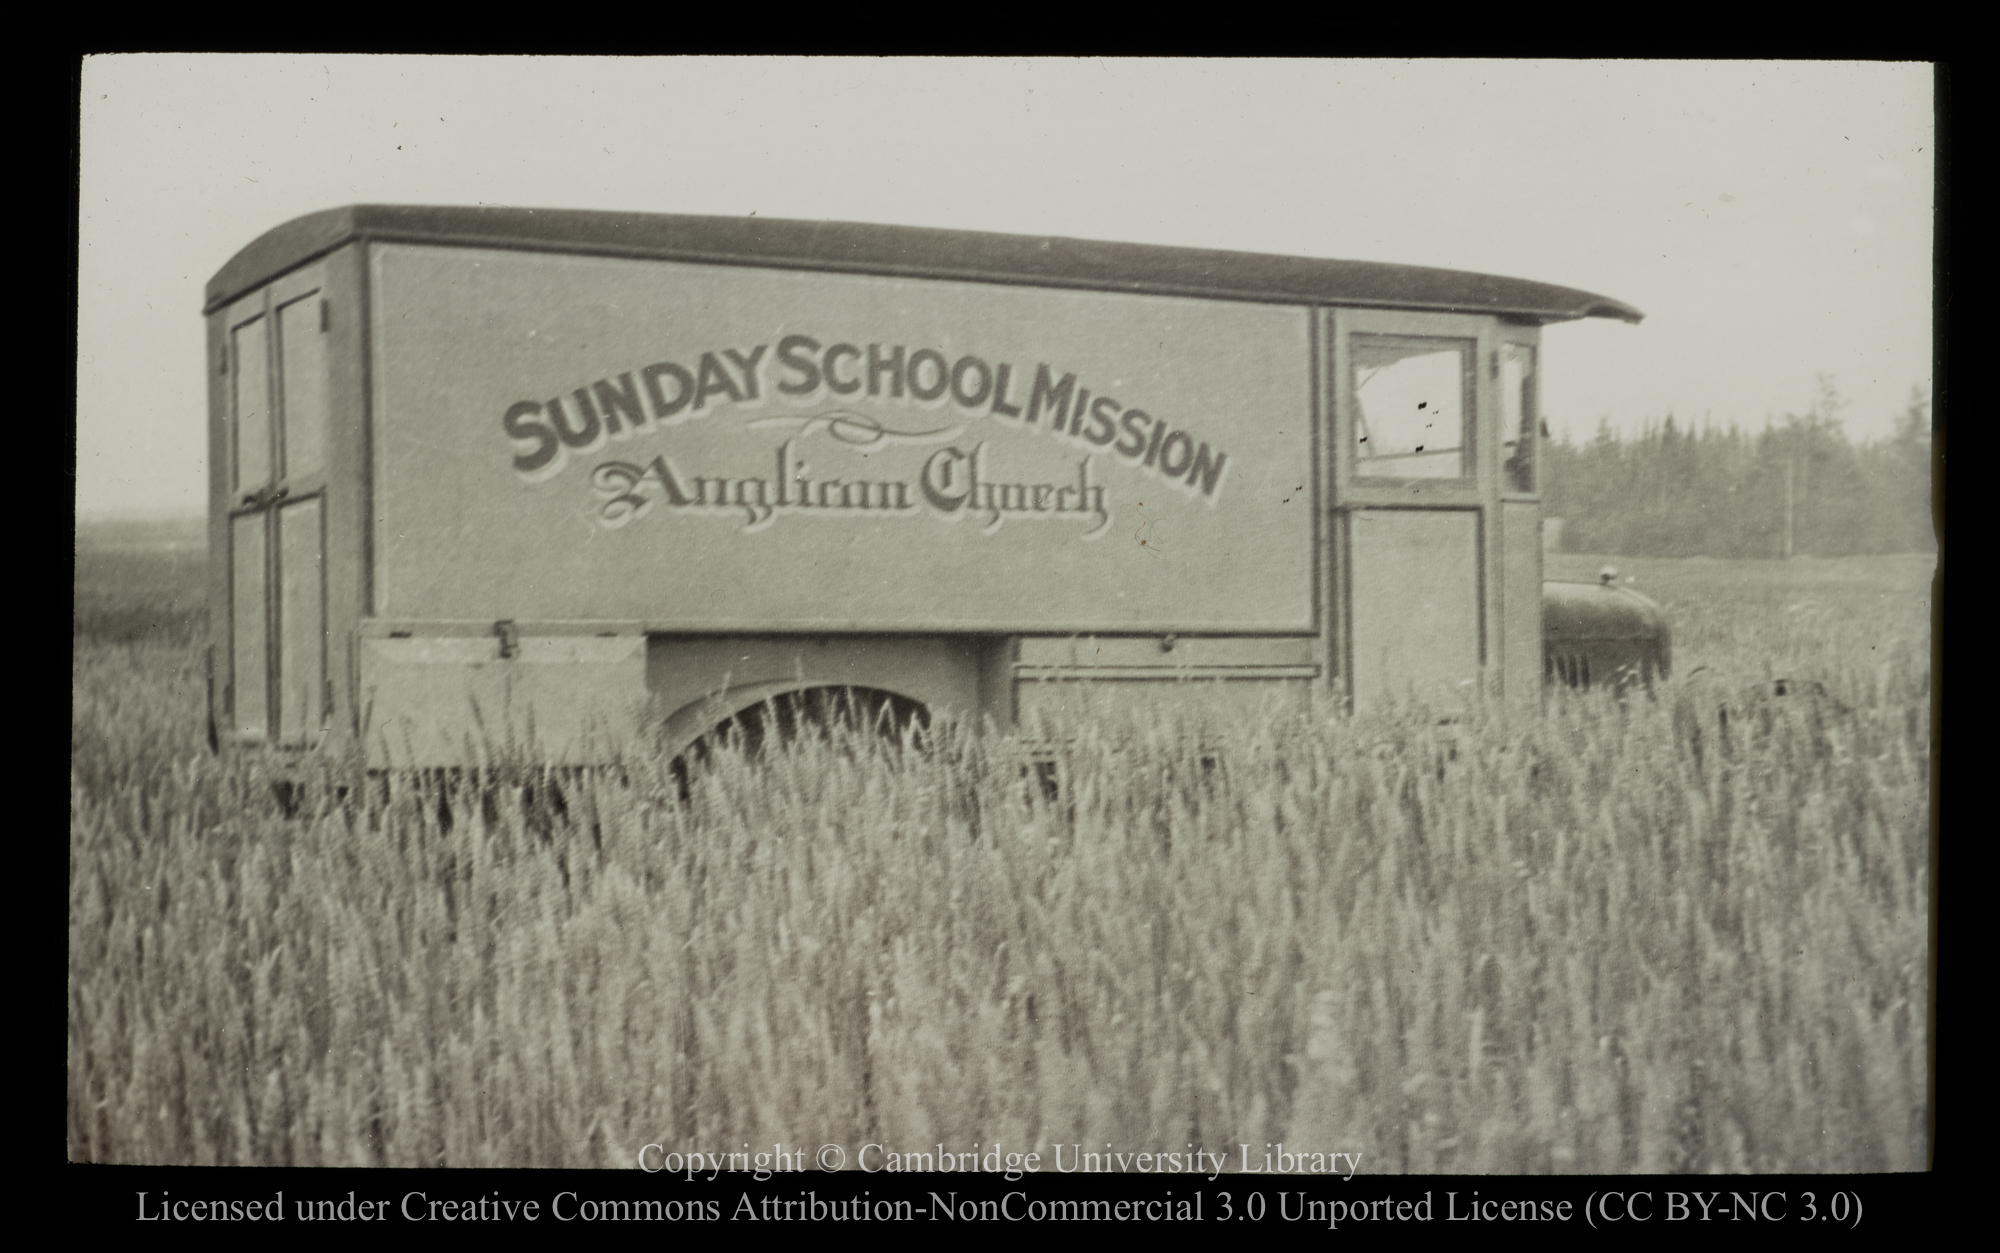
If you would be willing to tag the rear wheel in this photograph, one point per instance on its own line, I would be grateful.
(845, 715)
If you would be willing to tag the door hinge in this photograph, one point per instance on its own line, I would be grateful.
(325, 317)
(510, 638)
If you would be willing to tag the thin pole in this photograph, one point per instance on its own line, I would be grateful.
(1791, 468)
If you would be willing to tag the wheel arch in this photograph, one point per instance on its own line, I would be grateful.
(686, 726)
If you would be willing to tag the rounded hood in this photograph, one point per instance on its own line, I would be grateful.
(1615, 625)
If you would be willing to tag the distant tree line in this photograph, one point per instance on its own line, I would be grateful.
(1723, 492)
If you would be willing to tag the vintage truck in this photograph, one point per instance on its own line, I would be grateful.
(1603, 634)
(558, 479)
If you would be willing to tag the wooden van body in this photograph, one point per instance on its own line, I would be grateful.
(565, 483)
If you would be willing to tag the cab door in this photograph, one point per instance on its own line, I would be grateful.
(1414, 497)
(278, 383)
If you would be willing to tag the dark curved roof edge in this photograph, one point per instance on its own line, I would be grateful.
(856, 247)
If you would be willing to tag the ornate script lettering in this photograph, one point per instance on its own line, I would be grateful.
(953, 483)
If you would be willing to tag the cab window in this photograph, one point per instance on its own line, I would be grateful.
(1412, 415)
(1520, 424)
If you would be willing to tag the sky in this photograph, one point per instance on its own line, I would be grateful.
(1772, 219)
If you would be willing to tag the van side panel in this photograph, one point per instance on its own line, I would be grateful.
(348, 480)
(458, 701)
(711, 448)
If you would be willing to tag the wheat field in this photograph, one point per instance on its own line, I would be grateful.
(1678, 934)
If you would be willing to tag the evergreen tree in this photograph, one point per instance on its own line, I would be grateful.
(1677, 491)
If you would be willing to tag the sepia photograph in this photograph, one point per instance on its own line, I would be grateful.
(845, 622)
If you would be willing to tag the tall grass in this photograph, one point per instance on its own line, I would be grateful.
(1685, 934)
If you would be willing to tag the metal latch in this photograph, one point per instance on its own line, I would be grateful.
(264, 496)
(510, 638)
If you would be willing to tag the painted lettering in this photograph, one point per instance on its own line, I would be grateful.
(669, 480)
(619, 403)
(711, 379)
(1206, 474)
(942, 379)
(1051, 396)
(1134, 427)
(846, 387)
(588, 434)
(640, 402)
(753, 497)
(1090, 499)
(999, 501)
(792, 354)
(972, 365)
(866, 495)
(619, 484)
(664, 408)
(547, 446)
(944, 482)
(953, 482)
(1102, 429)
(749, 367)
(614, 481)
(1000, 406)
(1153, 448)
(879, 365)
(1082, 407)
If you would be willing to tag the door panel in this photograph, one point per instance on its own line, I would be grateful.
(250, 357)
(279, 395)
(249, 672)
(302, 347)
(1416, 606)
(301, 623)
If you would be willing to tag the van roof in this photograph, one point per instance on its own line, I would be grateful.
(862, 248)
